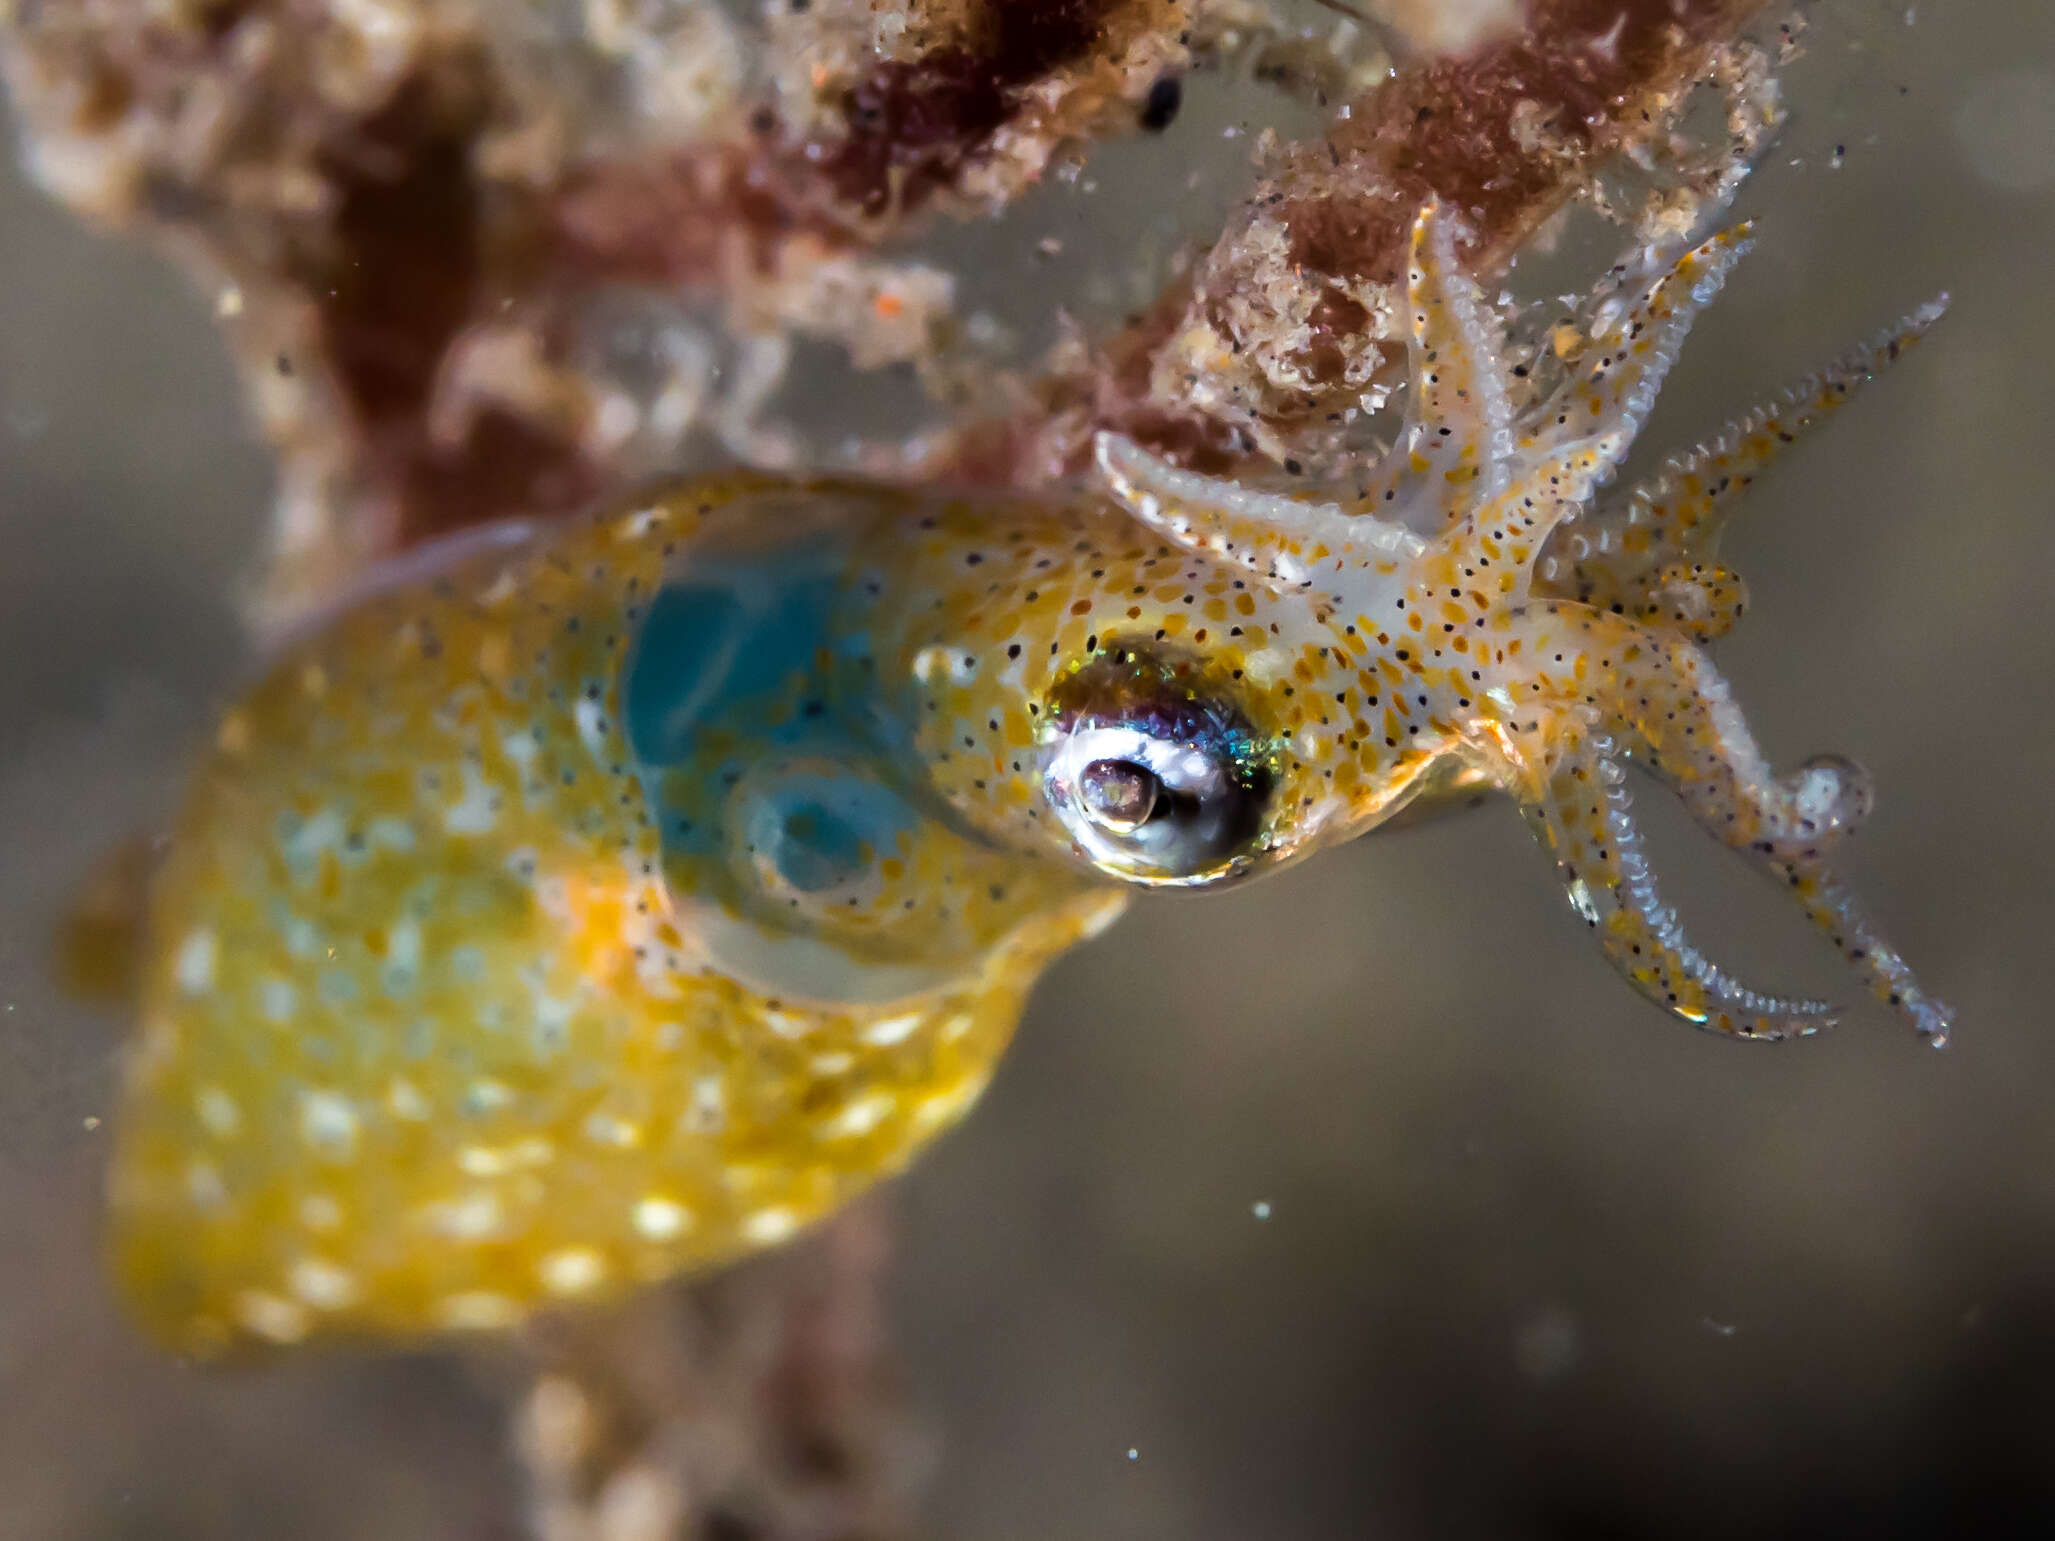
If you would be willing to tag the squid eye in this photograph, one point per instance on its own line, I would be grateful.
(1154, 774)
(1119, 795)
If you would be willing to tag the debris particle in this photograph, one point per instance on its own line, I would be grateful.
(1160, 109)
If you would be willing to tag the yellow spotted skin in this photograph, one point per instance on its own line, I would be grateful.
(426, 1042)
(598, 902)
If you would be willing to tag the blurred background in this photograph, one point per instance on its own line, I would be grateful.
(1363, 1201)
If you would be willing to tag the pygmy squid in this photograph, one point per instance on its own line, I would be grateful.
(602, 900)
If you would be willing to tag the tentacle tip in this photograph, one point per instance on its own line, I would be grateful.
(1914, 325)
(1438, 231)
(1934, 1021)
(1833, 796)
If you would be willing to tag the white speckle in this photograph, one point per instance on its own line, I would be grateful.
(476, 1216)
(324, 832)
(861, 1116)
(479, 1311)
(520, 747)
(195, 965)
(616, 1133)
(277, 1000)
(204, 1185)
(319, 1212)
(883, 1034)
(499, 1160)
(929, 662)
(392, 834)
(573, 1271)
(787, 1024)
(1260, 1209)
(218, 1112)
(552, 1017)
(271, 1316)
(709, 1111)
(404, 1100)
(1719, 1329)
(592, 727)
(323, 1285)
(329, 1124)
(951, 663)
(473, 813)
(485, 1095)
(228, 303)
(1133, 1454)
(403, 945)
(768, 1227)
(659, 1219)
(638, 524)
(90, 1122)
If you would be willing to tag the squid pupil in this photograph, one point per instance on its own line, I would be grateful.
(1120, 795)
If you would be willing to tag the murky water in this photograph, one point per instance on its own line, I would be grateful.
(1361, 1201)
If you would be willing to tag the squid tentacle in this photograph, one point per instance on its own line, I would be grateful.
(1634, 354)
(1582, 814)
(1701, 600)
(1458, 429)
(1616, 556)
(1280, 539)
(1682, 721)
(1829, 904)
(1587, 427)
